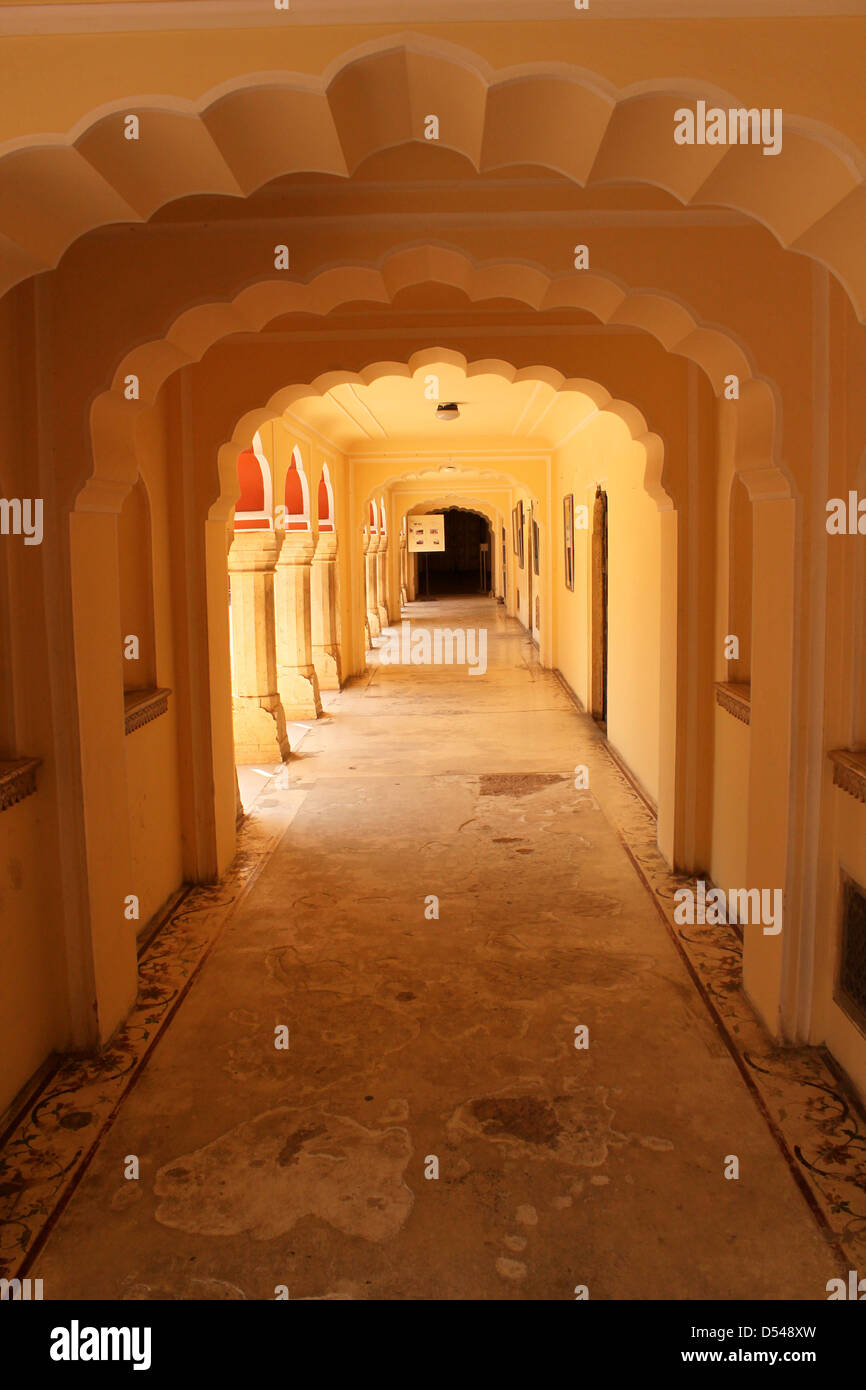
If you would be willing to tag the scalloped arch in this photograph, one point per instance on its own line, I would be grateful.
(599, 401)
(196, 330)
(258, 126)
(461, 503)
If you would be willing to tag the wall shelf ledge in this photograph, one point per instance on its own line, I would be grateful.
(141, 706)
(736, 699)
(17, 780)
(849, 771)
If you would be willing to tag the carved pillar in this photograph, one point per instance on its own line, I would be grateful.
(297, 681)
(323, 611)
(370, 552)
(258, 716)
(382, 585)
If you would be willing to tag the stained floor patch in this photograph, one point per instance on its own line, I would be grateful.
(271, 1172)
(524, 1117)
(516, 784)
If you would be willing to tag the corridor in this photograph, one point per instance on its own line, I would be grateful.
(438, 910)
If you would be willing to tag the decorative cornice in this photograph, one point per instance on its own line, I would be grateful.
(141, 706)
(849, 771)
(736, 699)
(17, 780)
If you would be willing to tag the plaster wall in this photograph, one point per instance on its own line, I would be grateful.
(34, 1013)
(602, 453)
(731, 737)
(152, 763)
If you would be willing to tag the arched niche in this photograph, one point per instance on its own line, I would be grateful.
(135, 570)
(739, 668)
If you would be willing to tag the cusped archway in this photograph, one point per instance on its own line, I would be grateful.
(258, 126)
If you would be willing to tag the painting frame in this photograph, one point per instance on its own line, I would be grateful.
(518, 528)
(568, 538)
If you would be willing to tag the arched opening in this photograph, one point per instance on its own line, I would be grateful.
(672, 773)
(325, 501)
(460, 567)
(502, 117)
(254, 510)
(325, 595)
(258, 719)
(296, 495)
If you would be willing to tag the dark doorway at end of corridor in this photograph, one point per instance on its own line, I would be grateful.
(464, 567)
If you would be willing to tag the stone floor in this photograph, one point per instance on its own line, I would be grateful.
(417, 1040)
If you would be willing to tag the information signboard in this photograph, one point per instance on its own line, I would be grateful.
(426, 532)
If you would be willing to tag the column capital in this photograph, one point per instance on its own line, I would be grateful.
(326, 546)
(297, 548)
(253, 550)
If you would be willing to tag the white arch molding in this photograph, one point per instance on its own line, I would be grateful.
(255, 127)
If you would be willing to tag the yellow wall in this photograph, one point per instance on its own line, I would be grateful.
(847, 852)
(731, 738)
(34, 1011)
(32, 978)
(727, 866)
(152, 765)
(603, 453)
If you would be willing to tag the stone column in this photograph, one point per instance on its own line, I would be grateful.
(297, 681)
(382, 585)
(371, 548)
(258, 716)
(323, 611)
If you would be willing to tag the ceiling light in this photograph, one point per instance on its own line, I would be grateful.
(448, 410)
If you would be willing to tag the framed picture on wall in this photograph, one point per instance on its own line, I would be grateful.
(536, 546)
(517, 520)
(568, 535)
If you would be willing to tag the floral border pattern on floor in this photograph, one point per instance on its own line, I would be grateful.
(48, 1149)
(818, 1124)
